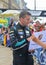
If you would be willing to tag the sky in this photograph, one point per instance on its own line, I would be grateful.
(40, 4)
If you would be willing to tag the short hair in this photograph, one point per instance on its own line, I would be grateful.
(24, 13)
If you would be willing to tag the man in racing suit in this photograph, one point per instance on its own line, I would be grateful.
(19, 35)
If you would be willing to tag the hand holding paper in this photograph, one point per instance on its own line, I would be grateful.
(31, 38)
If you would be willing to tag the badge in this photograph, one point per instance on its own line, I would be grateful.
(27, 32)
(20, 30)
(21, 36)
(20, 33)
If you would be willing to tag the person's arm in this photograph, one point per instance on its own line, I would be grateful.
(37, 41)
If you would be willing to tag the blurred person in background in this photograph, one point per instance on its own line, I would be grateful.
(37, 26)
(38, 23)
(42, 27)
(1, 37)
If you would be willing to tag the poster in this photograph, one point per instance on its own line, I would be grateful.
(34, 45)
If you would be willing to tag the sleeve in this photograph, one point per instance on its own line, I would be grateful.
(12, 36)
(16, 42)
